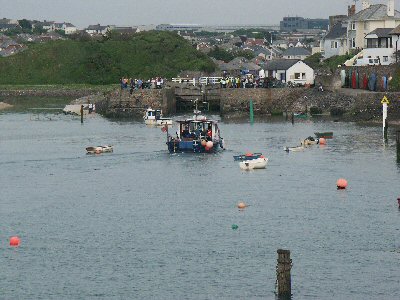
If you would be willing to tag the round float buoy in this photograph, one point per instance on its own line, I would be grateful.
(241, 205)
(341, 184)
(203, 143)
(14, 241)
(210, 144)
(235, 227)
(322, 141)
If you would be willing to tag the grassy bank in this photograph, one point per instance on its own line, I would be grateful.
(144, 55)
(58, 87)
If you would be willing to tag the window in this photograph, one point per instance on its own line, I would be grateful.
(303, 75)
(334, 45)
(297, 76)
(385, 58)
(353, 25)
(353, 42)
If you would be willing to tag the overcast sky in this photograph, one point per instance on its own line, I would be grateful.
(208, 12)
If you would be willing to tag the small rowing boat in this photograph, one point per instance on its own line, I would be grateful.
(99, 149)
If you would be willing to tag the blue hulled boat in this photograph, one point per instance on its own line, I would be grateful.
(197, 135)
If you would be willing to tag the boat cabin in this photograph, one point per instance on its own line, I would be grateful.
(190, 130)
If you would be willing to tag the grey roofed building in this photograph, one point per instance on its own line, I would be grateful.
(374, 12)
(279, 64)
(258, 50)
(296, 51)
(97, 27)
(381, 32)
(337, 31)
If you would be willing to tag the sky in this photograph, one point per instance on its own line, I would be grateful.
(82, 13)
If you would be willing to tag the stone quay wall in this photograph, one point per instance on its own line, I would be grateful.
(357, 105)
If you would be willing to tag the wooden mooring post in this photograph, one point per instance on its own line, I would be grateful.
(283, 277)
(385, 130)
(398, 146)
(82, 114)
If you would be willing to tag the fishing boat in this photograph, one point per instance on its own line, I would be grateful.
(247, 156)
(155, 117)
(197, 135)
(99, 149)
(258, 163)
(325, 135)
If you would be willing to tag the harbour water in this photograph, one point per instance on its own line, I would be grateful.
(140, 223)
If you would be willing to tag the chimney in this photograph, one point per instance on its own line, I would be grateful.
(390, 8)
(365, 5)
(351, 10)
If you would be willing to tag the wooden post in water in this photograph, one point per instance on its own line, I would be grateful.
(251, 112)
(82, 114)
(385, 130)
(398, 146)
(293, 118)
(283, 274)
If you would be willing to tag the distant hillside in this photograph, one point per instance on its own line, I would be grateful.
(144, 55)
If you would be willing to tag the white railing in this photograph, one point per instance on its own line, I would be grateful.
(201, 80)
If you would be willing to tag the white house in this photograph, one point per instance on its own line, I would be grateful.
(335, 42)
(97, 29)
(286, 70)
(68, 28)
(369, 19)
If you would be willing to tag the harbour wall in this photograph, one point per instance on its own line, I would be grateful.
(357, 105)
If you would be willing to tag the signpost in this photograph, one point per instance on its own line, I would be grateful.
(385, 102)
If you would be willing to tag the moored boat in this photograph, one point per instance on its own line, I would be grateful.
(99, 149)
(155, 117)
(197, 135)
(310, 141)
(294, 149)
(258, 163)
(325, 135)
(247, 156)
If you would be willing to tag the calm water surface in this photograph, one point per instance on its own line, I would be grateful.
(140, 223)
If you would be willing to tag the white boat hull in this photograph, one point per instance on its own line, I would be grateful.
(99, 149)
(160, 122)
(294, 149)
(259, 163)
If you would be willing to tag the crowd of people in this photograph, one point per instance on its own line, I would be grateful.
(137, 84)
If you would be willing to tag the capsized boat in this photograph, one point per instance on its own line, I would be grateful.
(99, 149)
(155, 117)
(197, 135)
(247, 156)
(258, 163)
(325, 135)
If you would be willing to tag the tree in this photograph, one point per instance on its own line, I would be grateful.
(25, 24)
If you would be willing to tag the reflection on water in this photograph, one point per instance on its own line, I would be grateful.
(141, 223)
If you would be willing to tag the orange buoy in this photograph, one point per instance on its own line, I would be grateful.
(341, 184)
(203, 143)
(15, 241)
(241, 205)
(206, 148)
(322, 141)
(209, 144)
(248, 154)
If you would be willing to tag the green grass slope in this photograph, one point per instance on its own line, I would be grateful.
(144, 55)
